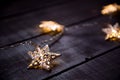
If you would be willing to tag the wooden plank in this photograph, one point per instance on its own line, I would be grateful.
(82, 41)
(105, 67)
(15, 8)
(25, 26)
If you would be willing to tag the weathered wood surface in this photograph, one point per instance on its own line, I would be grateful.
(103, 67)
(82, 45)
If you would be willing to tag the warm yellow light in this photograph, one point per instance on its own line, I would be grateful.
(50, 27)
(42, 58)
(113, 32)
(111, 8)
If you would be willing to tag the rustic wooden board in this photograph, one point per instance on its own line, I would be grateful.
(104, 67)
(15, 8)
(79, 43)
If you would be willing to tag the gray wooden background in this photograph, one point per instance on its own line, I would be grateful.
(85, 53)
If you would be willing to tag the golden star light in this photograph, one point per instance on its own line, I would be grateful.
(112, 32)
(42, 58)
(50, 27)
(109, 9)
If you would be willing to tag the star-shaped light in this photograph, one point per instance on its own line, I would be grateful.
(42, 58)
(50, 27)
(113, 32)
(110, 9)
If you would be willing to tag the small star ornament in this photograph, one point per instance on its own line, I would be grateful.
(42, 58)
(112, 32)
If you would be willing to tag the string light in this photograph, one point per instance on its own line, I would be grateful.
(42, 58)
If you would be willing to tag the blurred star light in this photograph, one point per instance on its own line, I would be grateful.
(112, 32)
(50, 27)
(110, 9)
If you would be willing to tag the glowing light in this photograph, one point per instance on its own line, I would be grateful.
(42, 58)
(112, 32)
(51, 27)
(109, 9)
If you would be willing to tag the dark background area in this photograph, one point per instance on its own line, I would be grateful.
(85, 53)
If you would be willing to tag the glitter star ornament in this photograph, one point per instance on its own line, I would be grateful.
(42, 58)
(112, 32)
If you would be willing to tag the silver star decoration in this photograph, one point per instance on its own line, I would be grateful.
(42, 58)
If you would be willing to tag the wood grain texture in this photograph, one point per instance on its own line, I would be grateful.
(85, 53)
(105, 67)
